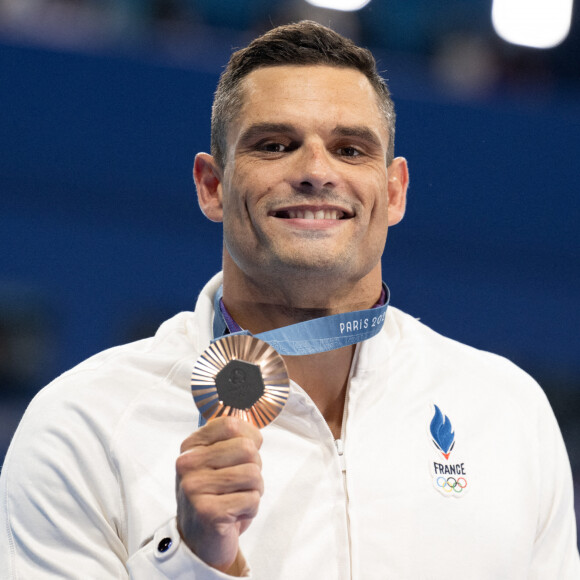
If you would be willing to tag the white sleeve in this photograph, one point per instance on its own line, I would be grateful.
(555, 550)
(55, 510)
(167, 557)
(62, 514)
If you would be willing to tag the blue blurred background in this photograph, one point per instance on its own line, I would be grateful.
(104, 104)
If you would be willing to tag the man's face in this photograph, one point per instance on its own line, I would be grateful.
(305, 184)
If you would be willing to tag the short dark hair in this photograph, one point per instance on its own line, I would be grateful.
(302, 43)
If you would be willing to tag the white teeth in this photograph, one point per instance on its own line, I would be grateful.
(321, 214)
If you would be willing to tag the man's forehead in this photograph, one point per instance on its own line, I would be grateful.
(278, 79)
(275, 89)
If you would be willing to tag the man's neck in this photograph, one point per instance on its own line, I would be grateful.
(323, 376)
(259, 307)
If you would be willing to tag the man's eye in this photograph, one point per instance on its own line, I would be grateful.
(273, 147)
(349, 152)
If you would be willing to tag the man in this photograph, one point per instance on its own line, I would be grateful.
(404, 455)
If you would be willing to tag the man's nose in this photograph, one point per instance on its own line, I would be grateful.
(315, 168)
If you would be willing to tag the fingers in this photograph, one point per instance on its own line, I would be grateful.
(223, 443)
(223, 429)
(219, 486)
(220, 454)
(226, 480)
(211, 525)
(227, 508)
(221, 458)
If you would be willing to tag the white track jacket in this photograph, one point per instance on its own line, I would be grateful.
(450, 465)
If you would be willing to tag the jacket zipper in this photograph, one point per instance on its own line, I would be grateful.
(339, 445)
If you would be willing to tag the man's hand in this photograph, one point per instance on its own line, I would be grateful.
(219, 485)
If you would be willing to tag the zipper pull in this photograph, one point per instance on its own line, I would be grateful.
(340, 450)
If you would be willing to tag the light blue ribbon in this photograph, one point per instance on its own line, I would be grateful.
(312, 336)
(317, 335)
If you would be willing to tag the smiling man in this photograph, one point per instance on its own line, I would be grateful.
(305, 188)
(306, 192)
(399, 453)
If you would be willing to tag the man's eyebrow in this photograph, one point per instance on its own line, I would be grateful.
(258, 129)
(358, 131)
(354, 131)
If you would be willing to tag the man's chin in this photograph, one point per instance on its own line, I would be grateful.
(311, 267)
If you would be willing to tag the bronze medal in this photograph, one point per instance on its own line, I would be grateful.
(240, 376)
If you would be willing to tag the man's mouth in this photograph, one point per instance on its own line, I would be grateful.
(306, 214)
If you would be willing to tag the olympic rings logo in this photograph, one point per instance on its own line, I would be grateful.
(451, 484)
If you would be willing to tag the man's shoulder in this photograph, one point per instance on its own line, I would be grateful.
(431, 349)
(129, 379)
(171, 341)
(116, 390)
(460, 378)
(110, 381)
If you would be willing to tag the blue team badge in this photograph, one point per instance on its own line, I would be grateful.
(449, 476)
(442, 432)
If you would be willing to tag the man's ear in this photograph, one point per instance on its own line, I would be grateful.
(398, 175)
(207, 177)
